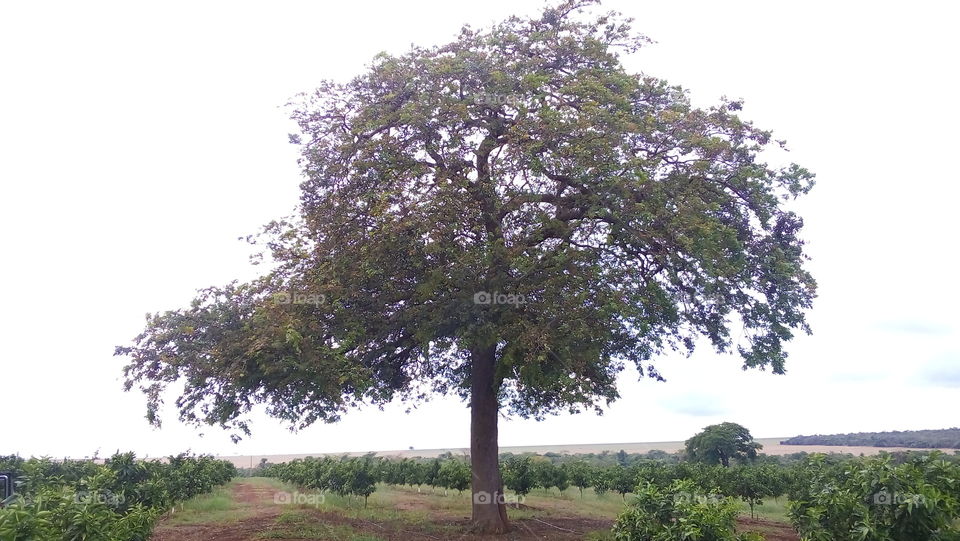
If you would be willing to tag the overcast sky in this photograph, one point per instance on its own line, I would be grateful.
(138, 143)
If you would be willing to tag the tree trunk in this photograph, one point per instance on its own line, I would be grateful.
(489, 511)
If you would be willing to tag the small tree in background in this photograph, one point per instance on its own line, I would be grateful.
(561, 478)
(454, 474)
(580, 474)
(430, 473)
(602, 480)
(623, 479)
(750, 484)
(361, 477)
(544, 472)
(519, 475)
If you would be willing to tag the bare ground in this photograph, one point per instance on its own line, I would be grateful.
(257, 499)
(772, 531)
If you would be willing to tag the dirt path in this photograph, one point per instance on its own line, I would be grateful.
(772, 531)
(258, 511)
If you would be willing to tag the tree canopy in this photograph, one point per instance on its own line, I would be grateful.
(719, 444)
(511, 217)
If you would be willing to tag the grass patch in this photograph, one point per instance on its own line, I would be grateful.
(217, 501)
(771, 509)
(265, 482)
(599, 535)
(593, 505)
(428, 511)
(215, 507)
(301, 524)
(292, 518)
(406, 504)
(317, 530)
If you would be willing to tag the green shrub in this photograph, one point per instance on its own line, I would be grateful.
(678, 513)
(873, 499)
(118, 500)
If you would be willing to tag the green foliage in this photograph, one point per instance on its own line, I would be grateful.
(519, 475)
(622, 480)
(754, 483)
(560, 478)
(628, 222)
(118, 500)
(345, 476)
(606, 458)
(677, 514)
(521, 162)
(719, 444)
(580, 474)
(602, 479)
(546, 474)
(830, 495)
(361, 479)
(454, 474)
(873, 499)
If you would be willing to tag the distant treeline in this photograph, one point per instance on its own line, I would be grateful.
(604, 458)
(948, 438)
(623, 458)
(607, 459)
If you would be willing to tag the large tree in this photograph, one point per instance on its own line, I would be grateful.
(511, 218)
(719, 444)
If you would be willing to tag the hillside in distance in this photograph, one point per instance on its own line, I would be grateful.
(947, 438)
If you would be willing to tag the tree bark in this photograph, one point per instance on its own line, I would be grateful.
(489, 509)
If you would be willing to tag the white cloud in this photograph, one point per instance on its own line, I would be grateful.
(941, 371)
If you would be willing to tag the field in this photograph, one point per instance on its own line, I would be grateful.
(910, 497)
(247, 509)
(771, 446)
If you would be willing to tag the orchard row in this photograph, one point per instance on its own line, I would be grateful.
(120, 499)
(829, 497)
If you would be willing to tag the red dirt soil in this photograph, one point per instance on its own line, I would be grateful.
(772, 531)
